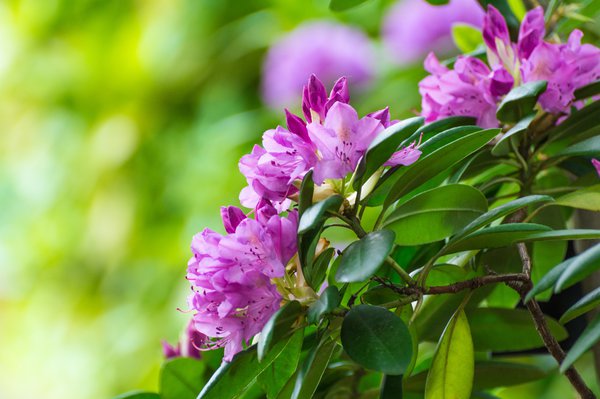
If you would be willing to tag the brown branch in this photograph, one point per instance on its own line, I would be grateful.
(542, 327)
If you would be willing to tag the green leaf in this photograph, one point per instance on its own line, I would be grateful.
(305, 196)
(438, 2)
(391, 387)
(379, 295)
(313, 217)
(426, 132)
(451, 373)
(382, 148)
(587, 198)
(466, 37)
(377, 339)
(278, 327)
(232, 379)
(315, 272)
(138, 395)
(502, 146)
(181, 378)
(589, 337)
(588, 90)
(582, 266)
(504, 330)
(549, 279)
(309, 376)
(362, 258)
(495, 237)
(520, 101)
(587, 148)
(499, 212)
(343, 5)
(275, 377)
(435, 214)
(437, 162)
(579, 124)
(587, 303)
(329, 300)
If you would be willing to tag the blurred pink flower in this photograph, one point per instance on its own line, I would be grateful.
(412, 28)
(323, 48)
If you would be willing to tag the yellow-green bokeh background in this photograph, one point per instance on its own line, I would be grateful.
(121, 124)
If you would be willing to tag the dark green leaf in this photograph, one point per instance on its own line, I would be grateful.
(309, 376)
(377, 339)
(437, 162)
(305, 196)
(435, 214)
(446, 137)
(587, 198)
(181, 378)
(278, 327)
(588, 90)
(379, 295)
(466, 37)
(587, 303)
(451, 373)
(275, 377)
(502, 146)
(232, 379)
(362, 258)
(342, 5)
(520, 101)
(499, 212)
(587, 148)
(432, 129)
(549, 279)
(495, 237)
(503, 330)
(138, 395)
(315, 272)
(391, 387)
(313, 217)
(579, 124)
(438, 2)
(589, 337)
(582, 266)
(382, 148)
(329, 300)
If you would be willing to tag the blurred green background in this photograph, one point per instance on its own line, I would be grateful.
(121, 126)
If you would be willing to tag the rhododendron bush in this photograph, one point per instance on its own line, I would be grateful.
(374, 257)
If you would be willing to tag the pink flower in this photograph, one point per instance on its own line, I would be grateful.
(188, 346)
(596, 164)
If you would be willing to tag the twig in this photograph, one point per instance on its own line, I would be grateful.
(405, 276)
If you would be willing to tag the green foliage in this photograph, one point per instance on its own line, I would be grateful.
(377, 339)
(181, 378)
(520, 101)
(589, 337)
(466, 37)
(278, 327)
(343, 5)
(589, 302)
(364, 257)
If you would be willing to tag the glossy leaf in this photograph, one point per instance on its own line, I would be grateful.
(466, 37)
(438, 161)
(314, 216)
(181, 378)
(451, 373)
(502, 146)
(446, 137)
(432, 129)
(309, 376)
(232, 379)
(435, 214)
(343, 5)
(278, 327)
(587, 148)
(504, 330)
(499, 212)
(586, 198)
(588, 338)
(329, 300)
(588, 90)
(588, 303)
(305, 196)
(495, 236)
(383, 146)
(377, 339)
(379, 295)
(549, 279)
(579, 124)
(582, 266)
(520, 101)
(275, 377)
(315, 272)
(362, 258)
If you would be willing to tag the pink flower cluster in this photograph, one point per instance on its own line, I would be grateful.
(473, 88)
